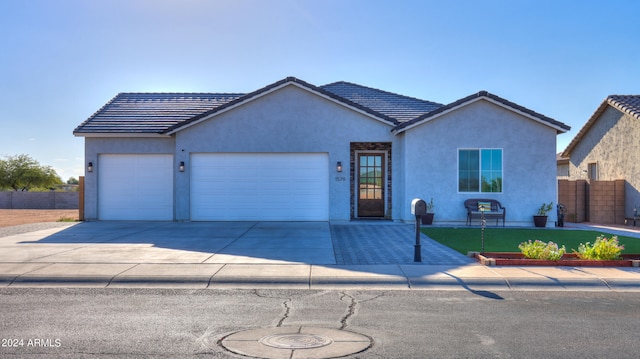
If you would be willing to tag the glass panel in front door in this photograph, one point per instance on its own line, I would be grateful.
(371, 185)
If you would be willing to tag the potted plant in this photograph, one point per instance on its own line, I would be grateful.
(540, 219)
(428, 218)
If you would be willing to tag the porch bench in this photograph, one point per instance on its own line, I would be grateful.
(497, 211)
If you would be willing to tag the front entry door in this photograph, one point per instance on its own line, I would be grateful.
(371, 184)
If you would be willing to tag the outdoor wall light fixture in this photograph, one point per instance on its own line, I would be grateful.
(339, 166)
(90, 167)
(181, 167)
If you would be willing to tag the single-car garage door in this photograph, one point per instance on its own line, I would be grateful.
(135, 187)
(260, 186)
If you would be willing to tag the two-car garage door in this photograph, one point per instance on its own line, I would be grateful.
(259, 186)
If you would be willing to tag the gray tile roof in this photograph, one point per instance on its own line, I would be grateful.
(629, 104)
(165, 113)
(150, 112)
(398, 107)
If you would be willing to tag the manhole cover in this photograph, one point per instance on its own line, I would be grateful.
(296, 341)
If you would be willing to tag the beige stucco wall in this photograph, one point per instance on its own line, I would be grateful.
(563, 170)
(613, 143)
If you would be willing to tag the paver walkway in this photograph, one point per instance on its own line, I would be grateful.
(388, 243)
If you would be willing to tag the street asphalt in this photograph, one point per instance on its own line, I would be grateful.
(292, 255)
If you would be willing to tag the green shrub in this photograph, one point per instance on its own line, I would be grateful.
(603, 249)
(540, 250)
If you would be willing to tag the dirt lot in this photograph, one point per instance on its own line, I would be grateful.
(14, 217)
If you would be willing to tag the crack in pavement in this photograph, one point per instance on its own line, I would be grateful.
(287, 309)
(351, 309)
(286, 304)
(354, 305)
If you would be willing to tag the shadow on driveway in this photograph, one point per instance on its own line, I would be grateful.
(316, 243)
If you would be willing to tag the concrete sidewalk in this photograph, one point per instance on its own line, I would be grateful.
(293, 255)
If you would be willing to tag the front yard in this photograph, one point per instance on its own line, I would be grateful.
(466, 240)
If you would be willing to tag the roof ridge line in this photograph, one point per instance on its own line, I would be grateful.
(181, 93)
(258, 92)
(384, 91)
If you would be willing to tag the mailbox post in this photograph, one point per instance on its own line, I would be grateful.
(418, 209)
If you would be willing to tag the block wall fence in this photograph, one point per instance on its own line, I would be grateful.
(593, 201)
(39, 200)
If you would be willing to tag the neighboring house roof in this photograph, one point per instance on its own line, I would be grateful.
(627, 104)
(559, 126)
(399, 107)
(167, 113)
(561, 160)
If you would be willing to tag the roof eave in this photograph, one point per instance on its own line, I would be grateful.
(482, 95)
(121, 134)
(585, 128)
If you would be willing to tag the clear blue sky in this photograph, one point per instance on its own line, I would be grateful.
(62, 60)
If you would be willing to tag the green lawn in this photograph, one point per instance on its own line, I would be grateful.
(466, 240)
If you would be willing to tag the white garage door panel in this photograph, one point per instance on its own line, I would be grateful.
(260, 186)
(135, 187)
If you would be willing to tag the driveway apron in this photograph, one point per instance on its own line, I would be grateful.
(321, 243)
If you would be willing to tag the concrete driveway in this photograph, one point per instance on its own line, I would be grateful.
(317, 255)
(174, 242)
(322, 243)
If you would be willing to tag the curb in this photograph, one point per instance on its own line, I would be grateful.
(392, 277)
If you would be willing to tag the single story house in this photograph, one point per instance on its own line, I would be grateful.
(299, 152)
(607, 148)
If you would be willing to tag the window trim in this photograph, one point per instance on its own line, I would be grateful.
(479, 149)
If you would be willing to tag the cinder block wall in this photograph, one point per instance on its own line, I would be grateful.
(595, 201)
(572, 194)
(39, 200)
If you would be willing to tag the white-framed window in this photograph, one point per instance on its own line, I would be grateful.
(480, 170)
